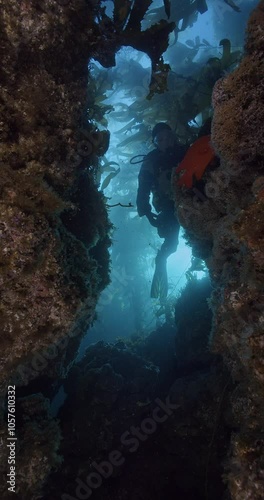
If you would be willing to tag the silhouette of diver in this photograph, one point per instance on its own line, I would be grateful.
(155, 178)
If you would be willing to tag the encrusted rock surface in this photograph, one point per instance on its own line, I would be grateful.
(53, 252)
(227, 229)
(115, 391)
(36, 449)
(54, 262)
(51, 274)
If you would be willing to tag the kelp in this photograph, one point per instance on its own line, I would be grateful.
(198, 95)
(124, 30)
(140, 136)
(139, 10)
(201, 6)
(122, 9)
(153, 41)
(126, 25)
(159, 76)
(96, 95)
(180, 11)
(228, 58)
(108, 179)
(175, 98)
(167, 7)
(232, 5)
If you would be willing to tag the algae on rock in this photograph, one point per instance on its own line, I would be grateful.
(226, 228)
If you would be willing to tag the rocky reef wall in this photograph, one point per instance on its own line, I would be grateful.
(169, 376)
(53, 247)
(224, 224)
(54, 262)
(51, 272)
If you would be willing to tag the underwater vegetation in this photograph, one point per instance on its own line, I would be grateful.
(186, 98)
(54, 260)
(226, 228)
(124, 29)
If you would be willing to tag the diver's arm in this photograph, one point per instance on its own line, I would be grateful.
(145, 182)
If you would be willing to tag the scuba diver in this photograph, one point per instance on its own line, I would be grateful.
(155, 177)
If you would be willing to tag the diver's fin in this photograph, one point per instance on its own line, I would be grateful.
(159, 285)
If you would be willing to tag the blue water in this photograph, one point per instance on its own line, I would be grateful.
(135, 243)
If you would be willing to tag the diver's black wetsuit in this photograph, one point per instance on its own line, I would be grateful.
(155, 177)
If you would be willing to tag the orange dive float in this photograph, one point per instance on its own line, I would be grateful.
(195, 162)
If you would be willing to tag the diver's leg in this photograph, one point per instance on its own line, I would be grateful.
(168, 229)
(170, 243)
